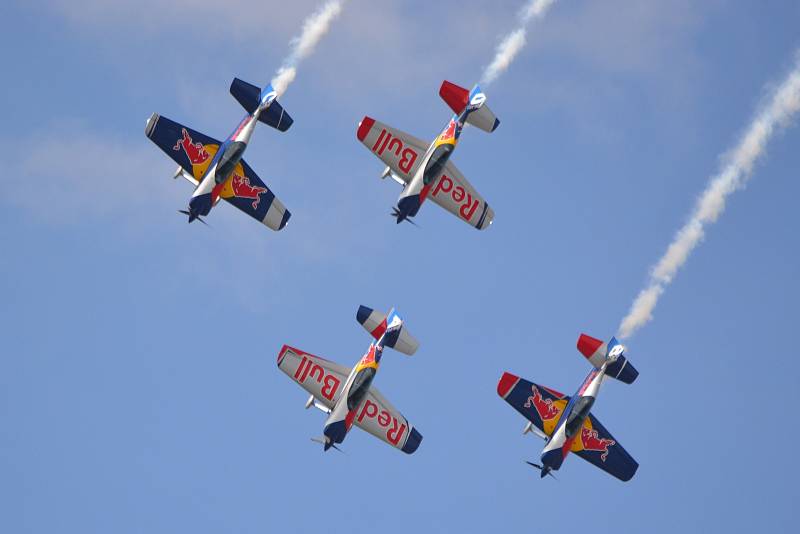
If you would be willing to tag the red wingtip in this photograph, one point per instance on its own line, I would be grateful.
(364, 127)
(506, 383)
(588, 345)
(282, 353)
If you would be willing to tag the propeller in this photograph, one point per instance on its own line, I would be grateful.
(544, 470)
(190, 217)
(325, 442)
(396, 214)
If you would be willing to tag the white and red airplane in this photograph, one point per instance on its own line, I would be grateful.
(424, 169)
(347, 395)
(565, 423)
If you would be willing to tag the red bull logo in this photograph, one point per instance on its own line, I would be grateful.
(544, 407)
(449, 132)
(195, 151)
(242, 189)
(370, 358)
(593, 442)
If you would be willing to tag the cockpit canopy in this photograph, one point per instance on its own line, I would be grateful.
(228, 161)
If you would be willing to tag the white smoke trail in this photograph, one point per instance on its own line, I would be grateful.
(510, 46)
(778, 113)
(314, 28)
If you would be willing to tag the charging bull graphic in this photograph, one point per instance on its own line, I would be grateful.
(242, 189)
(196, 152)
(592, 441)
(217, 169)
(566, 423)
(544, 407)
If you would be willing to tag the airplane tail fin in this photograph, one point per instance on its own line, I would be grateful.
(389, 327)
(460, 99)
(252, 98)
(598, 352)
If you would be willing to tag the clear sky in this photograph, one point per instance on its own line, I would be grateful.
(139, 391)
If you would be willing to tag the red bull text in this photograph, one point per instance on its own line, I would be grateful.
(330, 383)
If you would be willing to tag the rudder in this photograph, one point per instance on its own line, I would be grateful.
(458, 98)
(597, 352)
(375, 323)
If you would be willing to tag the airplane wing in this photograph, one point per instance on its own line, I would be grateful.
(320, 377)
(377, 416)
(453, 192)
(540, 405)
(245, 190)
(195, 151)
(190, 149)
(597, 446)
(400, 151)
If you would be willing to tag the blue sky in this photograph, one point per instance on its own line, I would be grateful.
(139, 391)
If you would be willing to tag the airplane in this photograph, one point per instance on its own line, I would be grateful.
(565, 423)
(424, 169)
(217, 169)
(347, 395)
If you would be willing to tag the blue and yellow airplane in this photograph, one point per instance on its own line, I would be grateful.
(217, 169)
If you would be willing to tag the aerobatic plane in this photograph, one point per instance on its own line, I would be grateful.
(347, 395)
(565, 423)
(424, 169)
(217, 169)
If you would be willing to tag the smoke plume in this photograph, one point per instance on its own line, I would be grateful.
(314, 28)
(510, 46)
(777, 113)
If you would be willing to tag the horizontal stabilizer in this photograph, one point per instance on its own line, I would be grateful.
(375, 323)
(249, 96)
(483, 118)
(597, 352)
(459, 98)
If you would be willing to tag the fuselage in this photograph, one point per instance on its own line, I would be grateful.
(433, 162)
(222, 166)
(572, 420)
(356, 387)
